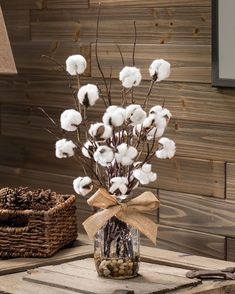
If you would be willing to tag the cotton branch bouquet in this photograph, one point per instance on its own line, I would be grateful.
(116, 152)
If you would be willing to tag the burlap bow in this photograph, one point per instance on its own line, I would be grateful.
(130, 213)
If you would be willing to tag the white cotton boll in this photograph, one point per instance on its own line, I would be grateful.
(155, 133)
(159, 111)
(130, 77)
(70, 119)
(88, 95)
(104, 155)
(88, 149)
(64, 148)
(160, 70)
(167, 150)
(82, 185)
(119, 185)
(144, 174)
(100, 132)
(148, 122)
(114, 116)
(135, 114)
(125, 154)
(76, 64)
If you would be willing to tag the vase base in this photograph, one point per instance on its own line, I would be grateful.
(117, 268)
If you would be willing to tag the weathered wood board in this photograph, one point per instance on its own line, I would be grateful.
(230, 185)
(191, 242)
(197, 213)
(153, 3)
(154, 25)
(196, 68)
(81, 276)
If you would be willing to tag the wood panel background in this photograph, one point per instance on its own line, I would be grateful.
(197, 188)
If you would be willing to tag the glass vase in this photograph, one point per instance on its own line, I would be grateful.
(116, 250)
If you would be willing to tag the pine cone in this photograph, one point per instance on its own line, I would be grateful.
(14, 199)
(44, 199)
(23, 199)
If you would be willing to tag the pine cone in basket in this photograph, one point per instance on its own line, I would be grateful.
(14, 199)
(44, 199)
(22, 199)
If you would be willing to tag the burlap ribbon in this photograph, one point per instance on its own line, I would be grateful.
(130, 213)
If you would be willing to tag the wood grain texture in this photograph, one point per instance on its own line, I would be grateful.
(230, 185)
(23, 4)
(73, 276)
(230, 249)
(152, 3)
(194, 68)
(191, 242)
(18, 24)
(154, 25)
(197, 213)
(203, 140)
(64, 255)
(28, 55)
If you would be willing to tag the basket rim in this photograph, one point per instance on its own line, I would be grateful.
(71, 199)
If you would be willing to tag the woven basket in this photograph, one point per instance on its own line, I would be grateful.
(41, 233)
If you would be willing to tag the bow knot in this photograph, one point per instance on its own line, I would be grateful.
(130, 212)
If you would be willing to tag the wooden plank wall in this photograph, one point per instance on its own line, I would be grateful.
(197, 188)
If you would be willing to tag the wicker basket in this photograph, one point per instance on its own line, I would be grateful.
(41, 233)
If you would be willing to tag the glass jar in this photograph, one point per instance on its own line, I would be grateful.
(116, 250)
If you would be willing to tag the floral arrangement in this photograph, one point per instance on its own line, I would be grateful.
(115, 155)
(118, 150)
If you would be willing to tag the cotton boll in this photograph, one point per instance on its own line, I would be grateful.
(144, 174)
(88, 95)
(148, 122)
(114, 116)
(155, 133)
(160, 70)
(118, 185)
(135, 114)
(70, 119)
(159, 111)
(82, 185)
(167, 149)
(130, 77)
(88, 149)
(76, 64)
(104, 155)
(125, 154)
(64, 148)
(100, 132)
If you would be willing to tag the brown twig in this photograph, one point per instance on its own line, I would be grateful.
(134, 45)
(145, 105)
(97, 57)
(48, 116)
(120, 52)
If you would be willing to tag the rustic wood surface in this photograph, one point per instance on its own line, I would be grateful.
(203, 123)
(160, 271)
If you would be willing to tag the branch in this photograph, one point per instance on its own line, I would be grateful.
(133, 54)
(119, 49)
(97, 58)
